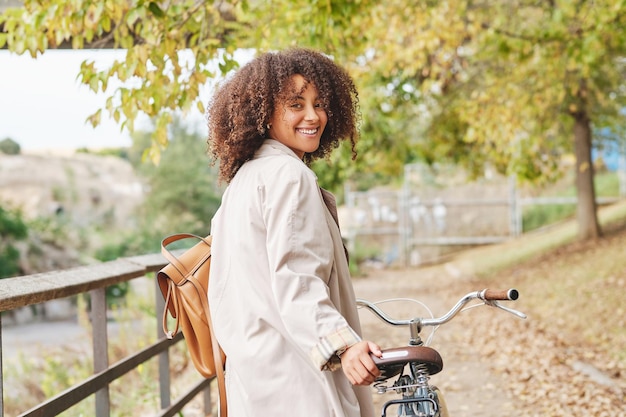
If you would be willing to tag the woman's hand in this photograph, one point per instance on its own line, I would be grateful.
(357, 364)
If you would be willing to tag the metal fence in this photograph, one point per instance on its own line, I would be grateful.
(430, 216)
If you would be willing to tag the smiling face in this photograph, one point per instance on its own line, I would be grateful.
(299, 121)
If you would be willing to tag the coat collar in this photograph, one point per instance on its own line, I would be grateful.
(274, 147)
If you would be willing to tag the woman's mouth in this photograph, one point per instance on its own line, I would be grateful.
(308, 131)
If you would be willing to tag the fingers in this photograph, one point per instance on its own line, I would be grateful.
(357, 364)
(375, 349)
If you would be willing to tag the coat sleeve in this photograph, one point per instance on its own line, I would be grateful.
(301, 257)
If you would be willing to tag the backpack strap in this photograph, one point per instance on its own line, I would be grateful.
(171, 297)
(217, 352)
(173, 259)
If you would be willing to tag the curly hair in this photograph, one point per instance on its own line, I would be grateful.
(241, 108)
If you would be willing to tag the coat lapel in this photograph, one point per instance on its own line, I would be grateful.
(331, 204)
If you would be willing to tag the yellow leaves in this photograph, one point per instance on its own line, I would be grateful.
(138, 55)
(413, 40)
(135, 15)
(479, 96)
(77, 42)
(106, 24)
(92, 16)
(153, 154)
(201, 107)
(602, 98)
(36, 45)
(116, 115)
(94, 119)
(60, 35)
(90, 76)
(199, 77)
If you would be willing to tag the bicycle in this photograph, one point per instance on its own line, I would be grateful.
(418, 397)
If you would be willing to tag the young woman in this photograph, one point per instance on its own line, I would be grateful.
(281, 298)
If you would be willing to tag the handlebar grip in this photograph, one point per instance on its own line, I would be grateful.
(510, 294)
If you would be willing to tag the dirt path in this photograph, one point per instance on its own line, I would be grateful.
(470, 387)
(495, 364)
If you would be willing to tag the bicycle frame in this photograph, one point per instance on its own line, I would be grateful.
(418, 397)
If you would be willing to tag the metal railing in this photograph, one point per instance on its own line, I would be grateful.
(401, 223)
(38, 288)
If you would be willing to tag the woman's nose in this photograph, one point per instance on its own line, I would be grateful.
(311, 113)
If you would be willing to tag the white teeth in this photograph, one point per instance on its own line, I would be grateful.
(308, 131)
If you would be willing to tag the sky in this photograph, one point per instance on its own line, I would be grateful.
(43, 106)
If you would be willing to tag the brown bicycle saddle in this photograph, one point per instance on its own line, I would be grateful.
(394, 360)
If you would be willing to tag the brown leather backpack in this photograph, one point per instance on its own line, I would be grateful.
(184, 283)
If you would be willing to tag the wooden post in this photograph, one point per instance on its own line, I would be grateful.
(100, 347)
(164, 357)
(1, 373)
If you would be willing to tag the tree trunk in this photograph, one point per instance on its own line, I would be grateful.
(586, 210)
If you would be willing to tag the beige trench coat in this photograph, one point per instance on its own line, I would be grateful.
(280, 286)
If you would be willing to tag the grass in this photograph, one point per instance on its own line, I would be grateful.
(536, 216)
(489, 259)
(578, 289)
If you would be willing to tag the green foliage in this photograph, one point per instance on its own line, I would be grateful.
(359, 254)
(36, 380)
(182, 195)
(55, 229)
(546, 214)
(12, 225)
(10, 147)
(12, 229)
(183, 189)
(138, 241)
(607, 184)
(538, 216)
(117, 152)
(9, 261)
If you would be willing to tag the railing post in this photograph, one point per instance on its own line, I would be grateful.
(515, 209)
(1, 373)
(403, 224)
(206, 397)
(100, 347)
(164, 357)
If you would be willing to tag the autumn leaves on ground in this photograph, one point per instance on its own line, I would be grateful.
(568, 358)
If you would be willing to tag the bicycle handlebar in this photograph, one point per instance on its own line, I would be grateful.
(489, 297)
(511, 294)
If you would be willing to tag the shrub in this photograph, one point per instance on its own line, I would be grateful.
(12, 228)
(10, 147)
